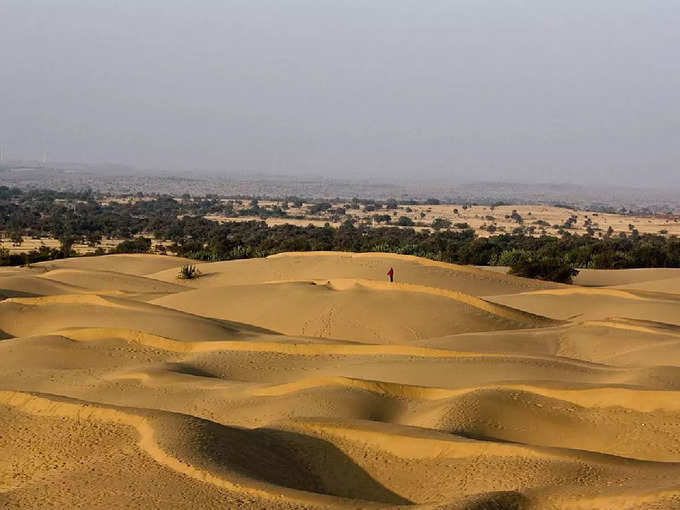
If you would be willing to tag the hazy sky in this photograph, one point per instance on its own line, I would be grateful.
(553, 90)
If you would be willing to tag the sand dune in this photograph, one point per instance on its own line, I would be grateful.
(595, 304)
(108, 280)
(127, 264)
(308, 381)
(629, 342)
(663, 286)
(363, 310)
(26, 285)
(604, 277)
(48, 314)
(366, 266)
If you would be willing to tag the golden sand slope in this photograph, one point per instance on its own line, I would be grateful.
(623, 277)
(23, 283)
(124, 387)
(361, 310)
(126, 264)
(596, 304)
(107, 280)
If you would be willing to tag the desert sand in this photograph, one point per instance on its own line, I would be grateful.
(309, 381)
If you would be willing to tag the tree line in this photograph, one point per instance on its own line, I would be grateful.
(83, 218)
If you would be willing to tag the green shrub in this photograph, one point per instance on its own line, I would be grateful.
(553, 269)
(405, 221)
(137, 245)
(512, 257)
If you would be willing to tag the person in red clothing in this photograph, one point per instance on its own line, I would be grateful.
(390, 273)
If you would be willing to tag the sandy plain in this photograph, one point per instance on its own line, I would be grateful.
(481, 217)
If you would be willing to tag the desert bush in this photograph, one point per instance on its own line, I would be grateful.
(188, 272)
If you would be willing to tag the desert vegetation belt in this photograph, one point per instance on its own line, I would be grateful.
(183, 230)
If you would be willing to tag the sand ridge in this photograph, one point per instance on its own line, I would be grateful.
(41, 405)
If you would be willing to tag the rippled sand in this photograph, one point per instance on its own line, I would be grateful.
(308, 381)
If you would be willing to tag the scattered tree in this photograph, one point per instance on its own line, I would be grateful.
(440, 223)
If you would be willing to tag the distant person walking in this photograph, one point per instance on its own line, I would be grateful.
(390, 273)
